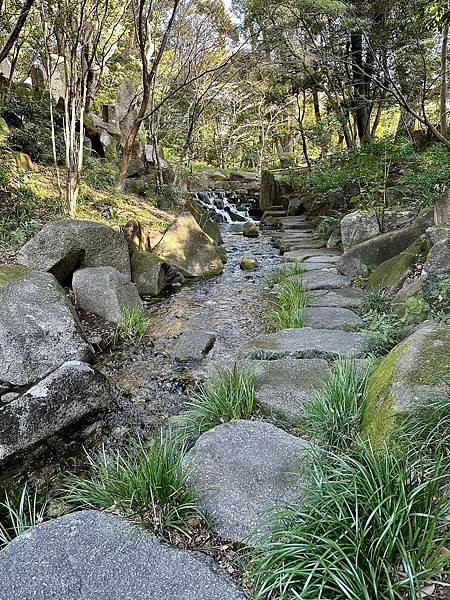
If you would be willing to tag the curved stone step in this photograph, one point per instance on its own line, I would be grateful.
(91, 555)
(317, 253)
(242, 469)
(344, 298)
(324, 317)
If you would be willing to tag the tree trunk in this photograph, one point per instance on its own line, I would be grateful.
(443, 97)
(24, 11)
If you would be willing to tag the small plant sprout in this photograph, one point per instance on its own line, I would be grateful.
(132, 327)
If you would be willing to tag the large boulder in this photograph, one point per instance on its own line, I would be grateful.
(62, 247)
(442, 211)
(242, 469)
(392, 273)
(270, 191)
(414, 372)
(92, 555)
(39, 329)
(105, 292)
(379, 249)
(360, 226)
(202, 217)
(149, 273)
(436, 275)
(187, 246)
(72, 391)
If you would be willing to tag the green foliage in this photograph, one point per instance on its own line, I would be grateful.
(370, 524)
(334, 417)
(326, 227)
(429, 175)
(18, 514)
(147, 480)
(228, 396)
(132, 327)
(382, 322)
(100, 174)
(288, 311)
(36, 141)
(285, 272)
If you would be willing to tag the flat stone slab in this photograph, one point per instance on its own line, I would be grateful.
(308, 343)
(328, 279)
(330, 259)
(240, 470)
(193, 345)
(317, 266)
(322, 317)
(344, 298)
(318, 253)
(295, 223)
(91, 555)
(283, 387)
(308, 244)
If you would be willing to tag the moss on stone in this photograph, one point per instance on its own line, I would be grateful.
(10, 274)
(434, 359)
(379, 418)
(393, 272)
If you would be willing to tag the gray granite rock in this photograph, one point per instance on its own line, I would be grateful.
(72, 391)
(344, 298)
(39, 329)
(240, 470)
(307, 343)
(306, 244)
(360, 226)
(283, 387)
(330, 259)
(105, 292)
(436, 273)
(298, 223)
(193, 345)
(61, 247)
(149, 273)
(325, 279)
(91, 555)
(318, 254)
(321, 317)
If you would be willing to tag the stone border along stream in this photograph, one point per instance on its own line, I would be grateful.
(240, 469)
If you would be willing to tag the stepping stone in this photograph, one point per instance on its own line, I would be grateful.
(317, 266)
(319, 253)
(291, 246)
(344, 298)
(328, 279)
(242, 469)
(308, 343)
(193, 345)
(284, 386)
(295, 223)
(322, 317)
(330, 259)
(283, 239)
(91, 555)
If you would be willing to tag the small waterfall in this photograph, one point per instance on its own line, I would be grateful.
(222, 206)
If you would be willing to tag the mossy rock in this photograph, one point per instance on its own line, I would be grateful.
(414, 372)
(4, 131)
(23, 161)
(248, 263)
(392, 273)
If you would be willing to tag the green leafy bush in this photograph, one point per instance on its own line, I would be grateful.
(228, 396)
(99, 174)
(36, 141)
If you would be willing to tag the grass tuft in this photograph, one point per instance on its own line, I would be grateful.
(132, 327)
(288, 312)
(286, 271)
(21, 514)
(370, 525)
(334, 417)
(228, 396)
(148, 481)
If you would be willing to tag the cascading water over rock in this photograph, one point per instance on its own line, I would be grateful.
(222, 206)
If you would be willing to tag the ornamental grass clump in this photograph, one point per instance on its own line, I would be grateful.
(289, 308)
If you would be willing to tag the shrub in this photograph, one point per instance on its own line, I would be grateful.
(369, 525)
(284, 272)
(326, 227)
(291, 301)
(36, 141)
(100, 174)
(148, 481)
(335, 415)
(382, 322)
(20, 514)
(132, 327)
(230, 395)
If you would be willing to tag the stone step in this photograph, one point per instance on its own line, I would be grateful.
(298, 223)
(323, 317)
(99, 556)
(326, 279)
(299, 255)
(240, 470)
(308, 343)
(292, 246)
(283, 387)
(343, 298)
(330, 259)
